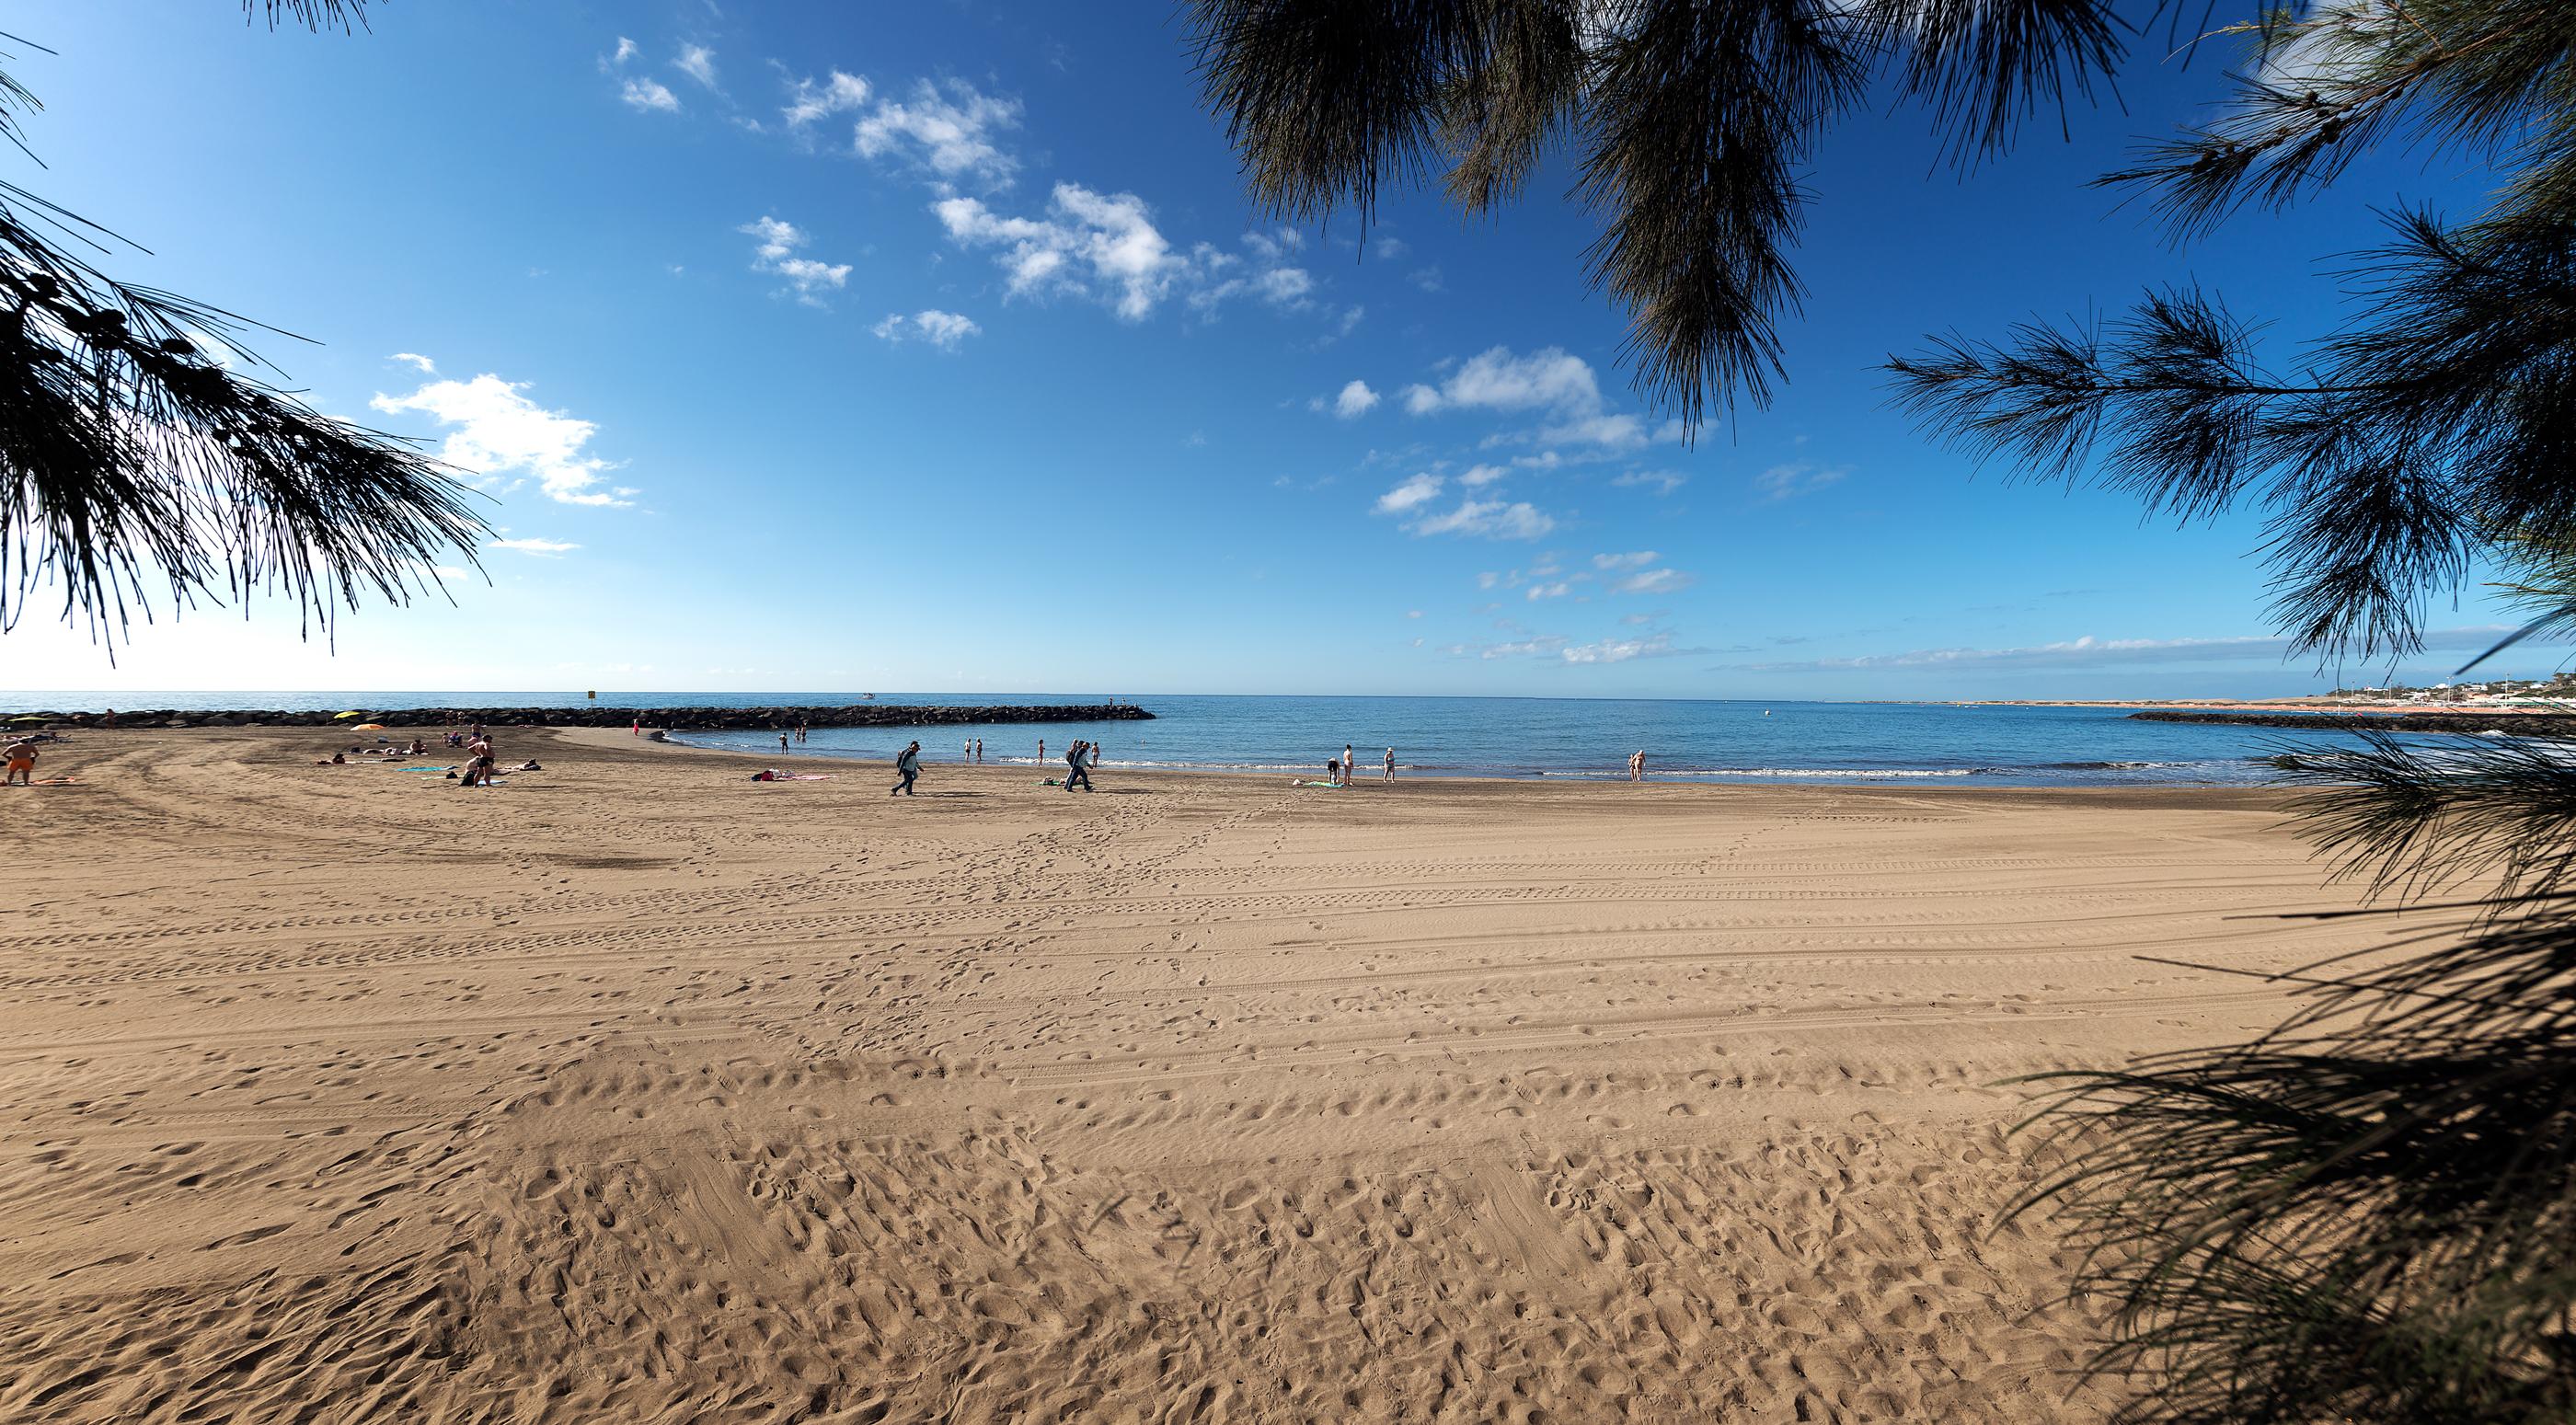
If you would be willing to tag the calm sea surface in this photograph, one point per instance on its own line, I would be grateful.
(1745, 742)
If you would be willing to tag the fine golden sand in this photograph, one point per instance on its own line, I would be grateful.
(636, 1091)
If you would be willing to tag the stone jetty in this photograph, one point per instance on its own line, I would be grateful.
(587, 715)
(2520, 724)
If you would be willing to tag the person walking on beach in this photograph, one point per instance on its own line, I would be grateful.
(782, 742)
(21, 756)
(907, 764)
(1390, 764)
(1350, 765)
(1078, 760)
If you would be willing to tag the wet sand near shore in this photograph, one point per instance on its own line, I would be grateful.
(635, 1090)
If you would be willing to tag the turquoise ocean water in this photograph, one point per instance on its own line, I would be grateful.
(1717, 742)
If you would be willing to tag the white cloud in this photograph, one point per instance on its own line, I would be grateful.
(1636, 560)
(1620, 650)
(1413, 613)
(547, 548)
(1356, 400)
(1612, 432)
(2091, 651)
(1551, 381)
(501, 432)
(1798, 477)
(698, 62)
(626, 50)
(1557, 590)
(417, 362)
(776, 255)
(1414, 492)
(948, 130)
(1090, 243)
(1654, 581)
(650, 95)
(1494, 379)
(809, 101)
(1662, 482)
(1389, 248)
(941, 329)
(1479, 476)
(1493, 519)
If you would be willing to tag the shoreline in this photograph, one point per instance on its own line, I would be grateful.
(1417, 785)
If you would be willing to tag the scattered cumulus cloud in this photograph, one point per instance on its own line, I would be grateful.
(948, 128)
(1636, 560)
(544, 548)
(1495, 379)
(1491, 519)
(776, 254)
(1662, 482)
(1356, 400)
(941, 329)
(809, 100)
(1653, 581)
(1620, 650)
(1551, 382)
(1411, 494)
(1797, 477)
(626, 49)
(1557, 590)
(1389, 248)
(1090, 243)
(500, 432)
(417, 362)
(698, 62)
(649, 96)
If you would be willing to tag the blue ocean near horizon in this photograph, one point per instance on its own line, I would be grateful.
(1584, 738)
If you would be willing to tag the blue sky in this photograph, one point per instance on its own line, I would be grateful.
(936, 347)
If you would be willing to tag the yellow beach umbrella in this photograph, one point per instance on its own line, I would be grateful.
(344, 717)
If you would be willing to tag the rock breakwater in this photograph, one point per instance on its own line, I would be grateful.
(668, 719)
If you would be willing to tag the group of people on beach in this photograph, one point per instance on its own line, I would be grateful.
(482, 764)
(1339, 772)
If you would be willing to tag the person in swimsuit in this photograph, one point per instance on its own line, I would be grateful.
(1390, 764)
(22, 763)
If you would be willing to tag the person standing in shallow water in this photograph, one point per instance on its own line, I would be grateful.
(1390, 764)
(907, 764)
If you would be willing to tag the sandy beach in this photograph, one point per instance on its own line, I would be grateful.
(633, 1090)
